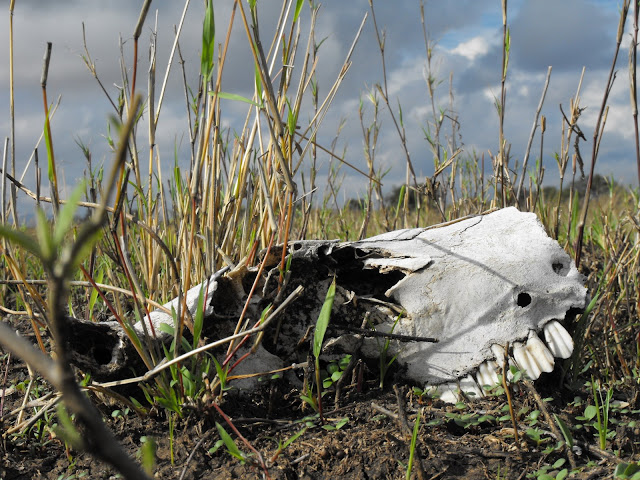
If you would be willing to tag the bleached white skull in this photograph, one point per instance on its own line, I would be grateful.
(476, 285)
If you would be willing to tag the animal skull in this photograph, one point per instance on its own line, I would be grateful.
(475, 285)
(480, 283)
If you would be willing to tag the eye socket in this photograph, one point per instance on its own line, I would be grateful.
(523, 299)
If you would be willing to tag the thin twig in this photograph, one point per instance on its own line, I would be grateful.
(533, 131)
(597, 132)
(633, 87)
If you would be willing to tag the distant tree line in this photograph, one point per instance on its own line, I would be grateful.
(601, 186)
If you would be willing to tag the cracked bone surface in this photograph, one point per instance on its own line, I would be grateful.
(475, 285)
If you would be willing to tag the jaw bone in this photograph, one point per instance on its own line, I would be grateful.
(532, 357)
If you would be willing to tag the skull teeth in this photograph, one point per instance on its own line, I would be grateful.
(449, 392)
(525, 361)
(446, 392)
(533, 357)
(558, 339)
(487, 374)
(469, 386)
(540, 353)
(500, 354)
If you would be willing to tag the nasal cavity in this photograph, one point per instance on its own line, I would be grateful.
(559, 268)
(523, 300)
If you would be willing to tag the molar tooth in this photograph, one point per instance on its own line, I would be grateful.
(447, 392)
(469, 386)
(558, 339)
(488, 374)
(498, 351)
(525, 361)
(540, 353)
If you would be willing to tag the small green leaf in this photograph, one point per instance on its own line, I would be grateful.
(341, 423)
(22, 239)
(344, 361)
(236, 97)
(148, 451)
(323, 319)
(299, 4)
(558, 463)
(45, 236)
(208, 42)
(216, 446)
(619, 472)
(590, 412)
(166, 328)
(229, 443)
(564, 428)
(199, 318)
(516, 376)
(64, 220)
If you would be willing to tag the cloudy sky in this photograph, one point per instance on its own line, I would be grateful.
(467, 35)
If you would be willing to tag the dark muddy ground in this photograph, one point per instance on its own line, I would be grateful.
(472, 441)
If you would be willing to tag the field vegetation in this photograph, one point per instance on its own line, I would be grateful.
(134, 236)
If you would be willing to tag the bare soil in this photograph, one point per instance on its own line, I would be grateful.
(375, 441)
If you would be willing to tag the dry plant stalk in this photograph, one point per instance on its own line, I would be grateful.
(59, 266)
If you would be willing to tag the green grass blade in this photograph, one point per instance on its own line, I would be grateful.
(412, 450)
(64, 221)
(294, 437)
(208, 41)
(323, 320)
(22, 239)
(50, 166)
(199, 318)
(93, 298)
(299, 5)
(239, 98)
(566, 431)
(45, 236)
(229, 443)
(258, 82)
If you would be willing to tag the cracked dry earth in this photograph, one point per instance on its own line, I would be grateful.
(475, 441)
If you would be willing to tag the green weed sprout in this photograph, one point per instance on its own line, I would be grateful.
(412, 448)
(318, 338)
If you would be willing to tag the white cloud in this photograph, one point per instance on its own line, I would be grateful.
(471, 49)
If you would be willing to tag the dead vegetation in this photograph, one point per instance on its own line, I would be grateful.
(150, 238)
